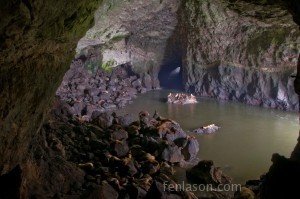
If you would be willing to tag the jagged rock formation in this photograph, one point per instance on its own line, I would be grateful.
(37, 42)
(134, 32)
(227, 51)
(112, 154)
(233, 53)
(83, 91)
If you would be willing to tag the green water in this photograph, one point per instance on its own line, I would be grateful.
(246, 141)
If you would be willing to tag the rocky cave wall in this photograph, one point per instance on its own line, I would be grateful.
(227, 51)
(37, 42)
(233, 53)
(134, 32)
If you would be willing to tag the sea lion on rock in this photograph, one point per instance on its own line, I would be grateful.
(181, 98)
(207, 129)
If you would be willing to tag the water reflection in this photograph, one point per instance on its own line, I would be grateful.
(246, 141)
(176, 110)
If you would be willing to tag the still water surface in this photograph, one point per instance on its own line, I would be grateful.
(246, 141)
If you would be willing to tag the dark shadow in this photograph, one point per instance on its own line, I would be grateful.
(170, 74)
(10, 184)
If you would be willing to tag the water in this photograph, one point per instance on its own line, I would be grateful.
(246, 141)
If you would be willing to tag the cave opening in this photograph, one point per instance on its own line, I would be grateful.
(170, 74)
(171, 69)
(87, 139)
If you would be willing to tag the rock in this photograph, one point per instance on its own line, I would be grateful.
(174, 132)
(206, 173)
(150, 167)
(126, 120)
(136, 192)
(119, 135)
(136, 83)
(244, 193)
(181, 142)
(146, 81)
(155, 83)
(190, 151)
(142, 90)
(172, 154)
(165, 168)
(79, 107)
(238, 80)
(105, 191)
(120, 148)
(104, 120)
(128, 168)
(157, 190)
(108, 106)
(61, 108)
(88, 165)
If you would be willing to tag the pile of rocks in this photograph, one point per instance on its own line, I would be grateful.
(83, 92)
(181, 98)
(123, 158)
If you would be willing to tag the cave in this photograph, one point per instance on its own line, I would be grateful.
(170, 74)
(69, 68)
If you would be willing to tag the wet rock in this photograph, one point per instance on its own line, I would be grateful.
(172, 154)
(155, 83)
(126, 120)
(120, 148)
(119, 135)
(150, 167)
(167, 169)
(206, 173)
(137, 83)
(147, 81)
(173, 133)
(128, 167)
(181, 142)
(190, 151)
(142, 90)
(124, 155)
(104, 120)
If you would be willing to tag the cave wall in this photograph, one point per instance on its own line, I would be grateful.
(134, 32)
(240, 51)
(216, 40)
(37, 42)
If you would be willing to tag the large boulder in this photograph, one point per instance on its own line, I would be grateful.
(206, 173)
